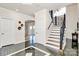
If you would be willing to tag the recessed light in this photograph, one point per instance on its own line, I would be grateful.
(17, 9)
(27, 3)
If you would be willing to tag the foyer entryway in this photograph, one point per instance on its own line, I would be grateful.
(11, 49)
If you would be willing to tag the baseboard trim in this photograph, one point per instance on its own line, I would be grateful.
(20, 42)
(7, 45)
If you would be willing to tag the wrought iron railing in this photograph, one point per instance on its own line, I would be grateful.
(51, 14)
(62, 29)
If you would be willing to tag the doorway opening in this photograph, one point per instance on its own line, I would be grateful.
(30, 32)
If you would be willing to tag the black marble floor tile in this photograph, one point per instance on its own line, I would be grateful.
(30, 50)
(13, 48)
(68, 51)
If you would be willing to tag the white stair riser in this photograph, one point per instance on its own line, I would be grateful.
(54, 47)
(54, 36)
(53, 43)
(54, 39)
(56, 27)
(56, 31)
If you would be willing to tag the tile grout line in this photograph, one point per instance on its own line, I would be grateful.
(18, 51)
(47, 54)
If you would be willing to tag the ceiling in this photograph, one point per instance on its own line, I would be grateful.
(31, 8)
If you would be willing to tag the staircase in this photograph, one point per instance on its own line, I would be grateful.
(54, 39)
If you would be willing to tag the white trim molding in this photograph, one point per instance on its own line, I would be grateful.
(46, 53)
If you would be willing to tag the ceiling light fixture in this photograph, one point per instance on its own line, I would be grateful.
(17, 9)
(27, 3)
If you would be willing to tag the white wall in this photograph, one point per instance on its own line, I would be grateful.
(78, 21)
(42, 20)
(15, 16)
(78, 12)
(71, 20)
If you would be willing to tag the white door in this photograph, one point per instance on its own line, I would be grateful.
(7, 32)
(0, 33)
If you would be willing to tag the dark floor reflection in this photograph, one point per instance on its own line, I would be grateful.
(4, 51)
(68, 49)
(12, 48)
(30, 50)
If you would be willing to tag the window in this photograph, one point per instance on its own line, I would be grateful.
(60, 12)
